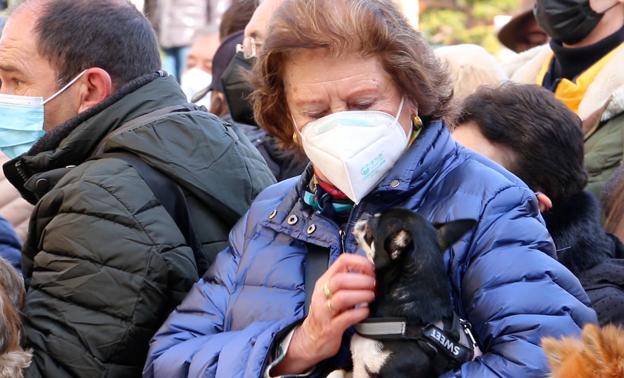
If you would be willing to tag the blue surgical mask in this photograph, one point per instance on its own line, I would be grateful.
(21, 121)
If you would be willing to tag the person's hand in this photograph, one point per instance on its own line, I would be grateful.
(340, 299)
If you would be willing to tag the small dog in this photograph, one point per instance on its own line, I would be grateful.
(599, 354)
(413, 285)
(12, 357)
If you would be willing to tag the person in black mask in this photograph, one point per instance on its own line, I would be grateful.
(582, 67)
(232, 90)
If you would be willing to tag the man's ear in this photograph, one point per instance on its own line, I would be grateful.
(96, 86)
(218, 105)
(544, 201)
(449, 233)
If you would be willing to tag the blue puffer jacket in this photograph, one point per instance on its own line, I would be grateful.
(10, 249)
(502, 274)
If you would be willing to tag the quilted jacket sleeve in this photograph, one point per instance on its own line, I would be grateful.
(514, 293)
(105, 265)
(193, 343)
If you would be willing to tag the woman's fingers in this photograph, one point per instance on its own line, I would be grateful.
(350, 281)
(349, 262)
(348, 318)
(347, 299)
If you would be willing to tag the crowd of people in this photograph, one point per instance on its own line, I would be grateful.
(159, 221)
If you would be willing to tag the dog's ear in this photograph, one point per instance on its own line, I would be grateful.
(596, 346)
(449, 233)
(399, 242)
(557, 351)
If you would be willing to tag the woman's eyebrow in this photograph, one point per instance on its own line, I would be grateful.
(9, 68)
(308, 101)
(369, 91)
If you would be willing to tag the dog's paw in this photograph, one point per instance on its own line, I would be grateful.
(340, 374)
(364, 238)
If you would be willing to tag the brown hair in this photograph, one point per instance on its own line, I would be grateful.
(614, 204)
(544, 136)
(12, 357)
(236, 17)
(370, 28)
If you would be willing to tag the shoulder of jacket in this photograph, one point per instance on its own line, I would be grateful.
(265, 204)
(279, 190)
(104, 183)
(477, 171)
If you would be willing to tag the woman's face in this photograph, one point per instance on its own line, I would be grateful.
(317, 84)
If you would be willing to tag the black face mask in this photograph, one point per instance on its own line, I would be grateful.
(237, 89)
(568, 21)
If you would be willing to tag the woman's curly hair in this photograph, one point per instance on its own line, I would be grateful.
(370, 28)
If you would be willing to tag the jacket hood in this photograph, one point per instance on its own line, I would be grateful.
(575, 227)
(181, 145)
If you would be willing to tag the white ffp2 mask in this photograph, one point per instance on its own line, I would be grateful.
(195, 80)
(355, 149)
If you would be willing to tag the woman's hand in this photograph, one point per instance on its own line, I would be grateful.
(340, 299)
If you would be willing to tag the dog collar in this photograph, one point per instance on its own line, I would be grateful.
(435, 337)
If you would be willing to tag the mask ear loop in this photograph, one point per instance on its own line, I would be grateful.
(60, 91)
(608, 9)
(396, 118)
(295, 136)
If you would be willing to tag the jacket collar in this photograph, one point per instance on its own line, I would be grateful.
(599, 94)
(409, 178)
(575, 227)
(71, 143)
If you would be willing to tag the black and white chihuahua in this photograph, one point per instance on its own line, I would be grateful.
(412, 330)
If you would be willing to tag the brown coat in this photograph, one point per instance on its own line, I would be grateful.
(12, 207)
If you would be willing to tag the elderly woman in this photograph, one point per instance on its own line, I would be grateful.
(362, 93)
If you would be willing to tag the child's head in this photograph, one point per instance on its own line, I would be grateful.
(12, 357)
(528, 131)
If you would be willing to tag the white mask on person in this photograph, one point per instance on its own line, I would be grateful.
(355, 149)
(194, 81)
(22, 119)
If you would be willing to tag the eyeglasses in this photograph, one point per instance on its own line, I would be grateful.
(249, 48)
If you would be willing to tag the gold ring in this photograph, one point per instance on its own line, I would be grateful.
(326, 291)
(329, 306)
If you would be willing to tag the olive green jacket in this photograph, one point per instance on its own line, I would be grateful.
(104, 261)
(602, 112)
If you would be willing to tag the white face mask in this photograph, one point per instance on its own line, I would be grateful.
(355, 149)
(21, 120)
(195, 80)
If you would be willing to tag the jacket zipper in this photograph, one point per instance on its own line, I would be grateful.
(342, 239)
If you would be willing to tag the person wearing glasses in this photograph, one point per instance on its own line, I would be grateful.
(230, 92)
(355, 86)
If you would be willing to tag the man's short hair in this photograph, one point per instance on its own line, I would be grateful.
(543, 135)
(110, 34)
(236, 17)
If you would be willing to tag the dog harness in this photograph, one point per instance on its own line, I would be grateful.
(448, 344)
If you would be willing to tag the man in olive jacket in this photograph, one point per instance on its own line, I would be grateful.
(582, 66)
(104, 261)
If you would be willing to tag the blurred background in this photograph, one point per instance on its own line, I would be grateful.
(502, 27)
(444, 22)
